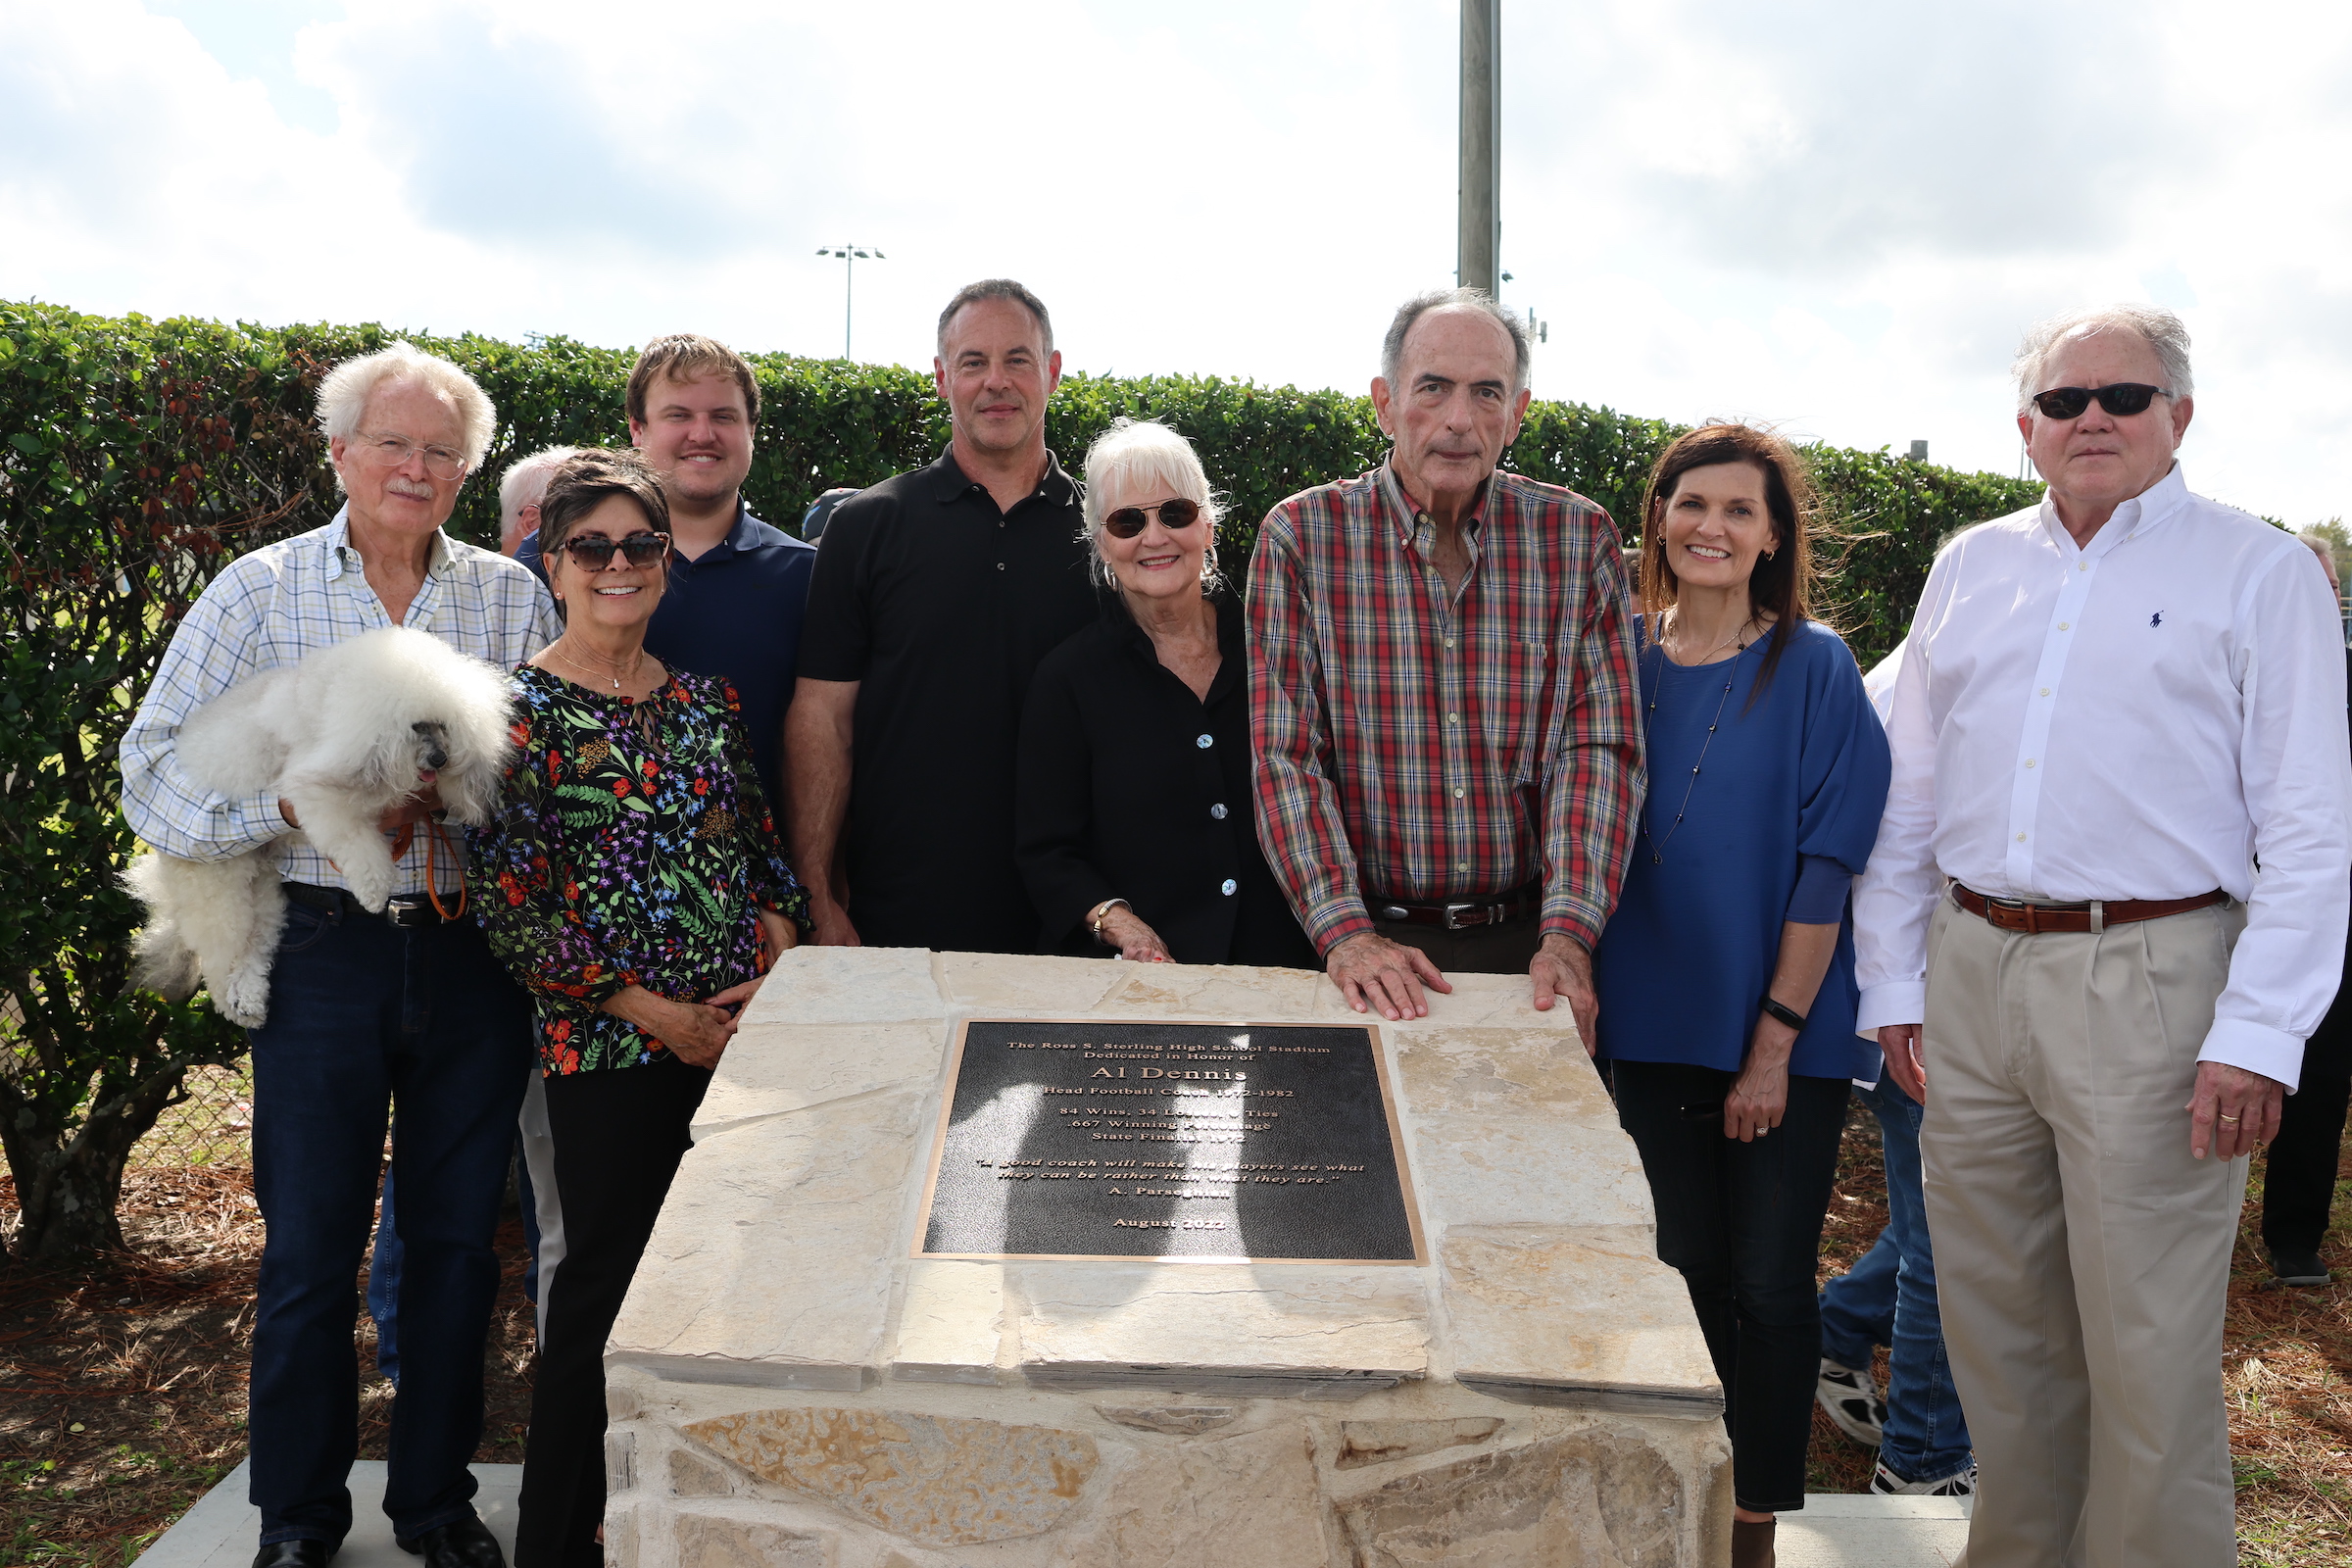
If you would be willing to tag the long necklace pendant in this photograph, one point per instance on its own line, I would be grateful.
(1655, 859)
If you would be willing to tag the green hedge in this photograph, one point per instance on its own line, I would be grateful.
(138, 457)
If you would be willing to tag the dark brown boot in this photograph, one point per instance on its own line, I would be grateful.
(1751, 1545)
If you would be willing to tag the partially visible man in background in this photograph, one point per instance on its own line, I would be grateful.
(519, 493)
(2298, 1172)
(937, 593)
(738, 586)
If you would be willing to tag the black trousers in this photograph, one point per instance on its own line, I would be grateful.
(1742, 1224)
(619, 1134)
(2298, 1175)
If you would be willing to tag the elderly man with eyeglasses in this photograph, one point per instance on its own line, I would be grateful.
(2106, 909)
(367, 1012)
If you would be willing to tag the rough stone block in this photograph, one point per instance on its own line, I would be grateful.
(1504, 1170)
(721, 1540)
(1593, 1498)
(1316, 1324)
(813, 985)
(1367, 1443)
(1501, 1072)
(772, 1068)
(939, 1481)
(1172, 1420)
(775, 1267)
(1585, 1319)
(1252, 1499)
(952, 1327)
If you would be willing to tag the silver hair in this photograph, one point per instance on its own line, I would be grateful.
(1145, 450)
(343, 396)
(526, 481)
(2159, 329)
(1391, 347)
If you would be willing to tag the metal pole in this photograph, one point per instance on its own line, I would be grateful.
(1479, 256)
(849, 290)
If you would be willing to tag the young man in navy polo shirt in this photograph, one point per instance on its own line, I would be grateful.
(737, 585)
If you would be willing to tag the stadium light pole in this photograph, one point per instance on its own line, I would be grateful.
(1478, 258)
(850, 255)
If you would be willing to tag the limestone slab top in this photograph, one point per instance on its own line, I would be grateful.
(783, 1253)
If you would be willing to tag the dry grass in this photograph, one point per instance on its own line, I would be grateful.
(2287, 1362)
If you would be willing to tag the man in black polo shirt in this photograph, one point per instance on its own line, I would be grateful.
(936, 594)
(737, 586)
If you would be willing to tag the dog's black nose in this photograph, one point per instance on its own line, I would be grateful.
(436, 758)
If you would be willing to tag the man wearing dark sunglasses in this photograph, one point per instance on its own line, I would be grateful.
(2105, 911)
(936, 595)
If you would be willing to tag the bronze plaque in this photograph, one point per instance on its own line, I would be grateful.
(1187, 1143)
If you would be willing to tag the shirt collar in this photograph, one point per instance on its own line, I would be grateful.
(738, 540)
(1419, 530)
(2145, 512)
(949, 482)
(337, 553)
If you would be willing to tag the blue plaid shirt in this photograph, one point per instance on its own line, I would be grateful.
(270, 608)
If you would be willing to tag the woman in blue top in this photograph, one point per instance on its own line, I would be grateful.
(1726, 975)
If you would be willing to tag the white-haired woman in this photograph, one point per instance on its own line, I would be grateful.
(1132, 817)
(405, 1008)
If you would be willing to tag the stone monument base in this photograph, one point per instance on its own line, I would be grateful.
(791, 1384)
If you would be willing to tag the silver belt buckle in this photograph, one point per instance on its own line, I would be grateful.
(1455, 911)
(407, 911)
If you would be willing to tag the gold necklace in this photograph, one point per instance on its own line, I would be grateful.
(562, 651)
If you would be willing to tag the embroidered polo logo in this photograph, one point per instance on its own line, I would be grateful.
(2157, 619)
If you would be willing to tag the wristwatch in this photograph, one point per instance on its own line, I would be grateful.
(1102, 912)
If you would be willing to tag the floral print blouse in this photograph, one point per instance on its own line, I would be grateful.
(630, 849)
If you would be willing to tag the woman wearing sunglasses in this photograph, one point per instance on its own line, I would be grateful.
(633, 841)
(1133, 824)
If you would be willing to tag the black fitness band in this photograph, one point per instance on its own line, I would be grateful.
(1788, 1015)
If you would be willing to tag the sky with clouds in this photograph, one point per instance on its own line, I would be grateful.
(1833, 216)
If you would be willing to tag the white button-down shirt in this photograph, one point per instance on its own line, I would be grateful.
(270, 608)
(2147, 718)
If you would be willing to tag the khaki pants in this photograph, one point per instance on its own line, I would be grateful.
(2081, 1254)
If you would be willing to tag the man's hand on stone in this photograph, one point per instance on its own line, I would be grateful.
(1375, 974)
(829, 924)
(1900, 1043)
(2233, 1111)
(1562, 969)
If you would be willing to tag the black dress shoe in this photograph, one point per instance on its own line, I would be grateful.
(459, 1544)
(294, 1554)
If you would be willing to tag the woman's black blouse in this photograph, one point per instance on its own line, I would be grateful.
(1133, 788)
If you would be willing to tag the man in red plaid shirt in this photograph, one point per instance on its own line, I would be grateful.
(1443, 700)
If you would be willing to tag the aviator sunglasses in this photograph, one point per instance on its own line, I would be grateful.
(595, 552)
(1174, 516)
(2117, 398)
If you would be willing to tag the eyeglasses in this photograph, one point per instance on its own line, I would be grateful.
(394, 452)
(2117, 398)
(594, 551)
(1174, 516)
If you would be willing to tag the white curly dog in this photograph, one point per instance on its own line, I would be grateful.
(345, 734)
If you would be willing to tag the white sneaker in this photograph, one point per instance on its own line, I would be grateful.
(1852, 1400)
(1959, 1483)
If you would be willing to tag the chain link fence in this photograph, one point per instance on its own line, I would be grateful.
(213, 1126)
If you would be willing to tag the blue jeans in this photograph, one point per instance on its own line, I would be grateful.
(366, 1019)
(383, 1264)
(1889, 1299)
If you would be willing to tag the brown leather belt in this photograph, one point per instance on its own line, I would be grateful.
(2016, 914)
(1460, 915)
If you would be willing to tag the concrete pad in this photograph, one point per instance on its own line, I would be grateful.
(224, 1530)
(1837, 1530)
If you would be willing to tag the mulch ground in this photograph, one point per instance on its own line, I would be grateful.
(123, 1384)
